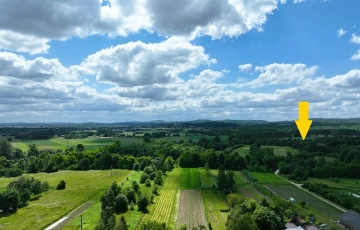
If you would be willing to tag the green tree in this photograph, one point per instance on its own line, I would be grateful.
(5, 149)
(153, 225)
(121, 203)
(84, 164)
(265, 218)
(239, 221)
(116, 189)
(221, 178)
(121, 225)
(142, 203)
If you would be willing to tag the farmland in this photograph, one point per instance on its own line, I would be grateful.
(191, 209)
(282, 150)
(288, 191)
(53, 204)
(164, 209)
(190, 178)
(214, 202)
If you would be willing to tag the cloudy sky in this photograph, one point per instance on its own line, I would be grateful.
(141, 60)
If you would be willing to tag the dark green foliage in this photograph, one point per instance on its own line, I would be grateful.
(152, 175)
(121, 203)
(5, 149)
(130, 194)
(115, 188)
(84, 164)
(239, 221)
(148, 183)
(136, 166)
(61, 185)
(144, 177)
(13, 172)
(135, 186)
(9, 200)
(142, 203)
(121, 225)
(153, 225)
(158, 179)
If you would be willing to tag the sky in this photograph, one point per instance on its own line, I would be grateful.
(143, 60)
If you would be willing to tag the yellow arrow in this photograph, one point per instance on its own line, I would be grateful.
(303, 123)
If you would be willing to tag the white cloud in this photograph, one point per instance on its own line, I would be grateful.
(38, 69)
(280, 73)
(37, 22)
(341, 32)
(245, 67)
(356, 56)
(138, 63)
(298, 1)
(355, 39)
(283, 1)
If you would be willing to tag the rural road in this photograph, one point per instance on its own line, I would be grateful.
(66, 219)
(315, 195)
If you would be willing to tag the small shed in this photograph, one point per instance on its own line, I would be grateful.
(292, 200)
(350, 220)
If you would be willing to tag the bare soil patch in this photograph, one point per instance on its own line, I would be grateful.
(191, 209)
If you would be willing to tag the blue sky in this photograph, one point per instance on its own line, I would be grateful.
(114, 61)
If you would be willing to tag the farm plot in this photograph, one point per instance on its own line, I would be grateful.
(171, 180)
(190, 178)
(268, 178)
(164, 208)
(287, 191)
(191, 209)
(214, 202)
(206, 181)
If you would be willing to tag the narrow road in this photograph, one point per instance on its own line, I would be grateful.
(66, 219)
(314, 194)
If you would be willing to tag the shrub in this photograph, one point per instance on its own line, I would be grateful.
(142, 203)
(143, 178)
(121, 203)
(61, 185)
(148, 182)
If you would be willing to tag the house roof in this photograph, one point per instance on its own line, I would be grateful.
(351, 218)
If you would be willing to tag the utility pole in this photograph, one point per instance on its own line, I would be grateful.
(81, 221)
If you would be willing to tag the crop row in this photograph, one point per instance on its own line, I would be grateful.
(250, 176)
(163, 207)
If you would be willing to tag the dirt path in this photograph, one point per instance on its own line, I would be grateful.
(66, 219)
(314, 194)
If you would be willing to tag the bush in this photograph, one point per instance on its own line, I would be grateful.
(144, 177)
(142, 203)
(148, 182)
(121, 203)
(61, 185)
(152, 175)
(13, 172)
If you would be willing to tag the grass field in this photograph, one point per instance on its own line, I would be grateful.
(92, 214)
(171, 179)
(206, 181)
(282, 150)
(53, 204)
(243, 151)
(190, 178)
(213, 202)
(61, 143)
(268, 178)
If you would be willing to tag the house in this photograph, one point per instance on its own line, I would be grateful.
(350, 220)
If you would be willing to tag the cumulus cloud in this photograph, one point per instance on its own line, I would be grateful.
(245, 67)
(138, 63)
(355, 39)
(341, 32)
(299, 1)
(36, 22)
(356, 56)
(280, 73)
(38, 69)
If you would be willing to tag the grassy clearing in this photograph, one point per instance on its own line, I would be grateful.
(190, 178)
(240, 178)
(213, 202)
(92, 215)
(243, 151)
(53, 204)
(249, 190)
(282, 150)
(268, 178)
